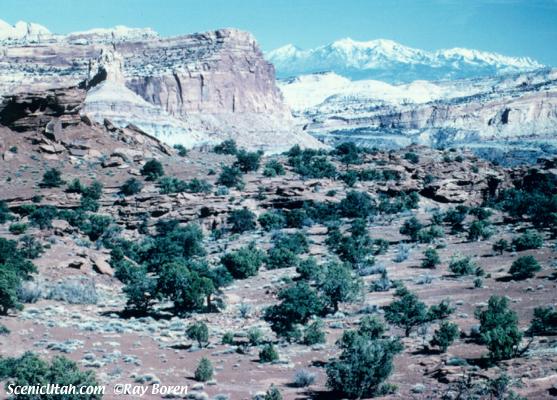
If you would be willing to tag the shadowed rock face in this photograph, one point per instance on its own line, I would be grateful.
(208, 86)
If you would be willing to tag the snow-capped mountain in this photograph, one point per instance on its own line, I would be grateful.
(389, 61)
(23, 31)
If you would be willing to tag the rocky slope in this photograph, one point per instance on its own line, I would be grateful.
(516, 113)
(393, 62)
(187, 89)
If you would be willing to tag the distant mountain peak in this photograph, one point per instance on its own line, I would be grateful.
(391, 61)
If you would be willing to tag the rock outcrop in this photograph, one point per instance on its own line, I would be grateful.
(187, 89)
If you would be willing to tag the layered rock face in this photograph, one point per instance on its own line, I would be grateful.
(188, 89)
(494, 116)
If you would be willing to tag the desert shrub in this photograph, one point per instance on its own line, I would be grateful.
(402, 252)
(311, 163)
(268, 353)
(5, 214)
(170, 184)
(4, 331)
(411, 227)
(481, 213)
(455, 217)
(18, 228)
(296, 218)
(230, 177)
(248, 161)
(428, 235)
(198, 186)
(152, 170)
(308, 269)
(431, 258)
(52, 178)
(499, 329)
(350, 178)
(524, 267)
(9, 283)
(462, 266)
(407, 311)
(204, 370)
(93, 191)
(182, 151)
(255, 336)
(479, 230)
(314, 334)
(271, 220)
(296, 242)
(199, 332)
(398, 203)
(298, 303)
(273, 168)
(131, 186)
(241, 220)
(29, 247)
(530, 239)
(228, 338)
(15, 268)
(544, 321)
(272, 393)
(42, 216)
(75, 186)
(440, 311)
(303, 378)
(382, 284)
(362, 367)
(500, 246)
(140, 291)
(244, 262)
(339, 284)
(356, 205)
(172, 243)
(412, 157)
(349, 153)
(226, 147)
(30, 370)
(184, 287)
(73, 291)
(280, 257)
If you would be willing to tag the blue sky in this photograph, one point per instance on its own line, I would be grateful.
(511, 27)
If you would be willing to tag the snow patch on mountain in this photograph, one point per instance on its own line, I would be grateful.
(23, 31)
(393, 62)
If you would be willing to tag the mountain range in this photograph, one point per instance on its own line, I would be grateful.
(392, 62)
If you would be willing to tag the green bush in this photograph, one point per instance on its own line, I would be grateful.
(296, 242)
(412, 157)
(182, 151)
(362, 367)
(431, 258)
(140, 291)
(199, 332)
(268, 353)
(248, 161)
(462, 266)
(204, 370)
(544, 321)
(184, 287)
(530, 239)
(338, 284)
(308, 269)
(407, 311)
(411, 227)
(273, 168)
(18, 228)
(226, 147)
(241, 220)
(75, 186)
(43, 216)
(271, 220)
(499, 329)
(479, 230)
(4, 330)
(228, 338)
(272, 393)
(30, 370)
(131, 186)
(152, 170)
(297, 305)
(280, 257)
(500, 246)
(311, 163)
(244, 262)
(356, 205)
(524, 267)
(314, 334)
(230, 177)
(52, 178)
(445, 336)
